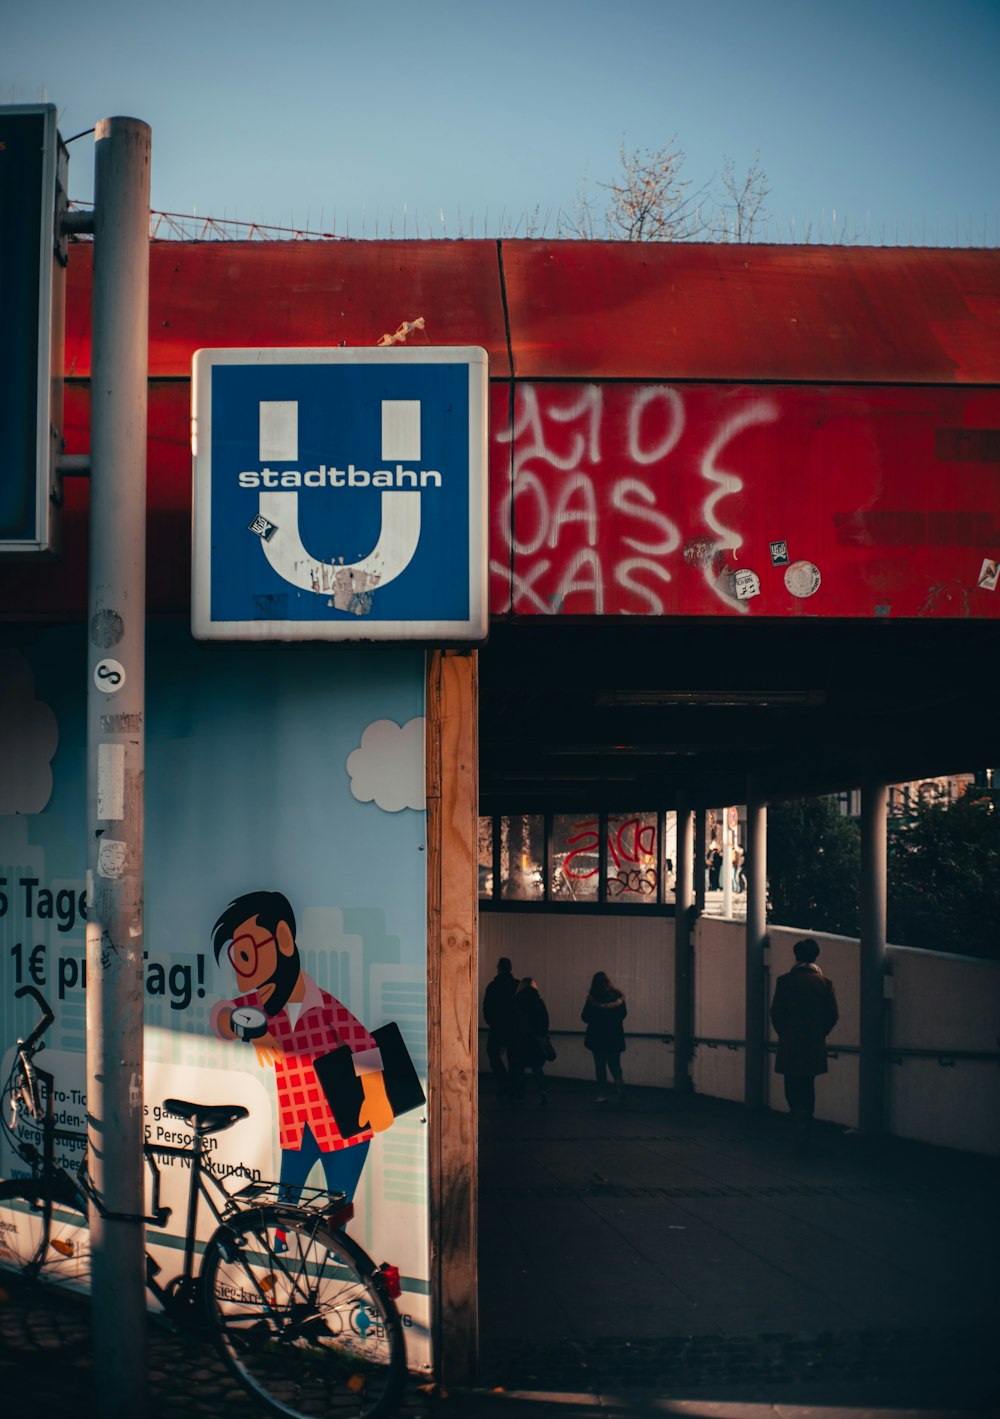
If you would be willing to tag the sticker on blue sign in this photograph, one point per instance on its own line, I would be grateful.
(340, 494)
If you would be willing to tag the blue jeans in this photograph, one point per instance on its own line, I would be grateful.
(341, 1167)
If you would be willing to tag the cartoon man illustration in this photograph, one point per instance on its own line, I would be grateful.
(302, 1022)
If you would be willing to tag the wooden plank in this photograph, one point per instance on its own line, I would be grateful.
(452, 985)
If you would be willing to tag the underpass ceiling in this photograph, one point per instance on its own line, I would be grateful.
(628, 714)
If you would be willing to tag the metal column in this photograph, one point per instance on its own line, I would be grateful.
(115, 758)
(871, 1074)
(683, 951)
(755, 1030)
(699, 860)
(727, 865)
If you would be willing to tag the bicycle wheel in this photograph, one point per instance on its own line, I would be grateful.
(44, 1235)
(308, 1329)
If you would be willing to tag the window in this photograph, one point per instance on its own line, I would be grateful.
(599, 861)
(633, 873)
(486, 857)
(575, 857)
(522, 855)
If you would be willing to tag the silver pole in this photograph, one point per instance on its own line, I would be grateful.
(683, 952)
(871, 1070)
(699, 860)
(115, 755)
(727, 866)
(755, 1032)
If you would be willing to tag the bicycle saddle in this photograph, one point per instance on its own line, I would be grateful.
(206, 1118)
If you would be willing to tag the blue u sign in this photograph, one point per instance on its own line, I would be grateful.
(340, 494)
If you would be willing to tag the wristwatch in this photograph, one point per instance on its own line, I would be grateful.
(248, 1023)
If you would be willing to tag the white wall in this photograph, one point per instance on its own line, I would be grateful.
(562, 953)
(938, 1002)
(945, 1002)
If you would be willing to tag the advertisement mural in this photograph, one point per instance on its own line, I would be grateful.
(285, 920)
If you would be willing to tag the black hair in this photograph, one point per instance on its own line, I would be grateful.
(268, 907)
(806, 950)
(504, 966)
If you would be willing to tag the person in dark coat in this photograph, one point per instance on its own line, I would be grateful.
(526, 1051)
(604, 1010)
(803, 1012)
(498, 1012)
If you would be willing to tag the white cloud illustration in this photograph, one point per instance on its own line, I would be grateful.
(387, 768)
(28, 738)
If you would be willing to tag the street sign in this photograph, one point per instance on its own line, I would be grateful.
(340, 494)
(33, 172)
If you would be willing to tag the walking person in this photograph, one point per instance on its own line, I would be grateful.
(714, 859)
(498, 1012)
(604, 1011)
(803, 1012)
(529, 1042)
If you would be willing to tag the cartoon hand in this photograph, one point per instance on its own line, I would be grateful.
(376, 1111)
(267, 1050)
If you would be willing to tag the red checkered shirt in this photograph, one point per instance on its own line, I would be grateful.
(323, 1025)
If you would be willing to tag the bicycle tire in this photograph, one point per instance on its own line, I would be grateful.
(310, 1331)
(59, 1257)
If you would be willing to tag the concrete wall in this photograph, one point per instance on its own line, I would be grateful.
(562, 953)
(938, 1002)
(941, 1003)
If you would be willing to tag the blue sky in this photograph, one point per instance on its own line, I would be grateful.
(318, 113)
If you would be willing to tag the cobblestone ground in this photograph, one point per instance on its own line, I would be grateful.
(956, 1370)
(45, 1369)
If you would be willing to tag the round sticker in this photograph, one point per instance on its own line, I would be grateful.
(109, 676)
(802, 578)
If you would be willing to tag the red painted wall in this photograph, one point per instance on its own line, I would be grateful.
(648, 499)
(675, 410)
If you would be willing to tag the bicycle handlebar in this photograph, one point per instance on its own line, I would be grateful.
(43, 1024)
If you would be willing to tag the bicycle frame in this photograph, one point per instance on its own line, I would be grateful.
(283, 1307)
(197, 1188)
(46, 1165)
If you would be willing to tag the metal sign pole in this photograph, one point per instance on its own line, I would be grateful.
(115, 755)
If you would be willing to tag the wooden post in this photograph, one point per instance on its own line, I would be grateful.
(453, 1009)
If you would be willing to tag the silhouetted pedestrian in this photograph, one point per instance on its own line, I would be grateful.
(604, 1010)
(498, 1012)
(529, 1040)
(803, 1012)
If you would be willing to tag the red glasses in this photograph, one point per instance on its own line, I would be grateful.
(243, 952)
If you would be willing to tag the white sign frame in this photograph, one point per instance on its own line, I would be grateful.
(471, 630)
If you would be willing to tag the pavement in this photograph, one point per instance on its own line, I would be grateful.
(667, 1255)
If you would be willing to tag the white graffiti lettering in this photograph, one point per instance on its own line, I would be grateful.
(671, 400)
(727, 483)
(625, 578)
(621, 498)
(608, 484)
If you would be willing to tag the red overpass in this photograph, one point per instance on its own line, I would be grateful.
(700, 439)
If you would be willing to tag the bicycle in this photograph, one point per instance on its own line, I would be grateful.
(301, 1315)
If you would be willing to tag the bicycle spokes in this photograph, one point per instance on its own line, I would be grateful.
(303, 1327)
